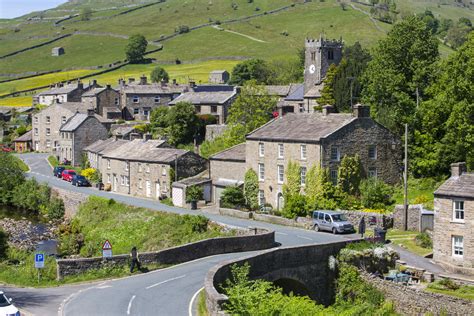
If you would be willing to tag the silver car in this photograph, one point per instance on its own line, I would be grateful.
(331, 221)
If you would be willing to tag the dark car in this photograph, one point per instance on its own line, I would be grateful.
(80, 181)
(57, 171)
(68, 174)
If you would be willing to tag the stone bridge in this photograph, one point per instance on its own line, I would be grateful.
(303, 270)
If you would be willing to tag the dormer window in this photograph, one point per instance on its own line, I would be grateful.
(135, 99)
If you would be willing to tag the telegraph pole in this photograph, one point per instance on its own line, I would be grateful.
(405, 180)
(352, 81)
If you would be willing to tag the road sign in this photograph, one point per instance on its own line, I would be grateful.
(39, 260)
(106, 249)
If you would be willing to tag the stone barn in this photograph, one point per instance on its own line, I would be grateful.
(57, 51)
(219, 77)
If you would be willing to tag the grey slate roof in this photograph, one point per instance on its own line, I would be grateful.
(27, 137)
(146, 151)
(61, 90)
(218, 72)
(296, 93)
(74, 122)
(304, 127)
(154, 88)
(93, 92)
(235, 153)
(74, 106)
(315, 92)
(281, 91)
(218, 97)
(462, 186)
(123, 130)
(110, 145)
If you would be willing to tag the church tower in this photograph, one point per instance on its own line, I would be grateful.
(319, 55)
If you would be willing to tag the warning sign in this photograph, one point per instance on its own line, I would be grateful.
(107, 245)
(106, 249)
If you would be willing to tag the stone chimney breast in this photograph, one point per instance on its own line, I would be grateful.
(361, 110)
(328, 109)
(458, 169)
(143, 80)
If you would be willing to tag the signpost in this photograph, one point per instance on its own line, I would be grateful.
(39, 263)
(106, 249)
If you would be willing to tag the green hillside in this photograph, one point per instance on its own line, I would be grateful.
(102, 39)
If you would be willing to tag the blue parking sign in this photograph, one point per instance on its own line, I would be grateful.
(39, 260)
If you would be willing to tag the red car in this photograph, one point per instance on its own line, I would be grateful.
(68, 174)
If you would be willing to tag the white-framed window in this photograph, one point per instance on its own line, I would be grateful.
(333, 176)
(140, 185)
(303, 152)
(458, 246)
(48, 143)
(303, 175)
(301, 108)
(36, 119)
(135, 99)
(127, 181)
(372, 152)
(261, 149)
(108, 163)
(281, 173)
(261, 197)
(163, 170)
(127, 166)
(109, 180)
(136, 111)
(122, 180)
(48, 119)
(147, 169)
(48, 131)
(139, 167)
(63, 119)
(261, 172)
(157, 99)
(281, 151)
(458, 211)
(335, 154)
(213, 108)
(372, 173)
(36, 131)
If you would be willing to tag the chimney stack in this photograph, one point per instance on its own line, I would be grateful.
(328, 109)
(131, 80)
(80, 85)
(458, 169)
(361, 110)
(192, 83)
(147, 136)
(94, 83)
(90, 112)
(143, 80)
(174, 81)
(108, 86)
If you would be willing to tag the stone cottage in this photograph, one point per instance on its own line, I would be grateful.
(23, 143)
(321, 139)
(105, 101)
(96, 150)
(219, 77)
(69, 92)
(453, 234)
(80, 131)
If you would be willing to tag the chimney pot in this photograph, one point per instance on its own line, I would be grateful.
(328, 109)
(361, 110)
(174, 81)
(131, 80)
(143, 80)
(458, 169)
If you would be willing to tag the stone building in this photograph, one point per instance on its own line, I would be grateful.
(453, 234)
(144, 167)
(321, 139)
(23, 143)
(210, 99)
(138, 99)
(227, 168)
(219, 77)
(79, 131)
(57, 51)
(69, 92)
(105, 101)
(126, 131)
(96, 150)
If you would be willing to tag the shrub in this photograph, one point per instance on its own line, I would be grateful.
(3, 244)
(194, 193)
(93, 175)
(167, 201)
(295, 205)
(424, 240)
(449, 284)
(233, 197)
(251, 189)
(421, 199)
(55, 209)
(31, 196)
(375, 193)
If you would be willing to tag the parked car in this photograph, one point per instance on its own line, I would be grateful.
(6, 306)
(332, 221)
(58, 171)
(68, 174)
(80, 181)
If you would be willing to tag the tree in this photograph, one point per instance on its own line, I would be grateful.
(159, 117)
(431, 22)
(327, 93)
(183, 123)
(86, 14)
(3, 244)
(313, 188)
(11, 176)
(375, 193)
(401, 64)
(158, 74)
(457, 35)
(292, 185)
(136, 48)
(30, 195)
(252, 69)
(284, 71)
(349, 174)
(251, 189)
(232, 197)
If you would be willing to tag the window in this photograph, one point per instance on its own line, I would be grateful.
(36, 119)
(303, 175)
(321, 216)
(117, 102)
(135, 99)
(261, 149)
(163, 170)
(335, 155)
(139, 167)
(63, 119)
(48, 143)
(281, 151)
(301, 108)
(372, 152)
(303, 152)
(127, 166)
(458, 211)
(261, 172)
(48, 131)
(334, 177)
(458, 246)
(140, 183)
(122, 180)
(313, 56)
(330, 54)
(157, 99)
(108, 163)
(146, 112)
(261, 197)
(281, 173)
(36, 131)
(136, 111)
(108, 178)
(213, 108)
(198, 108)
(48, 119)
(372, 173)
(327, 218)
(147, 168)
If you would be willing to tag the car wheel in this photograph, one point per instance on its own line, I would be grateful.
(316, 228)
(334, 231)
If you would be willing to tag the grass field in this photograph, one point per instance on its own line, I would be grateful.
(16, 101)
(464, 291)
(420, 191)
(407, 240)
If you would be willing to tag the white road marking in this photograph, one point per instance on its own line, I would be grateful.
(166, 281)
(190, 309)
(278, 233)
(103, 287)
(303, 237)
(130, 304)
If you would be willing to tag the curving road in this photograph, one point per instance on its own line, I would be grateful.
(163, 292)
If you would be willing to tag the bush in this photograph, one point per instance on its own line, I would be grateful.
(295, 205)
(251, 189)
(3, 244)
(449, 284)
(93, 175)
(424, 240)
(31, 196)
(233, 197)
(375, 193)
(55, 209)
(194, 193)
(167, 201)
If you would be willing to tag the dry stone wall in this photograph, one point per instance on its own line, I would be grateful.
(72, 200)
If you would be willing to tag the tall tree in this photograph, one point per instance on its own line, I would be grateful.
(327, 93)
(349, 174)
(402, 63)
(183, 123)
(158, 74)
(11, 177)
(136, 48)
(252, 69)
(251, 189)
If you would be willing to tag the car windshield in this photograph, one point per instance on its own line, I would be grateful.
(3, 301)
(339, 218)
(80, 178)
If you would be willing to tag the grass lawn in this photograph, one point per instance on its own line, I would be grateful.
(420, 191)
(464, 291)
(407, 240)
(201, 305)
(23, 166)
(54, 162)
(17, 101)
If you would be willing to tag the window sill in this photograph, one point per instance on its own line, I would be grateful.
(457, 222)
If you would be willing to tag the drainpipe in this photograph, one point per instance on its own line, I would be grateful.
(129, 180)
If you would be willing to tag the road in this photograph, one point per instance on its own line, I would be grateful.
(162, 292)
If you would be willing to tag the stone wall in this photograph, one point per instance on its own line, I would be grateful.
(214, 130)
(72, 200)
(411, 301)
(414, 217)
(255, 239)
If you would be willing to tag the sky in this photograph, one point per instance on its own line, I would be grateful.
(14, 8)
